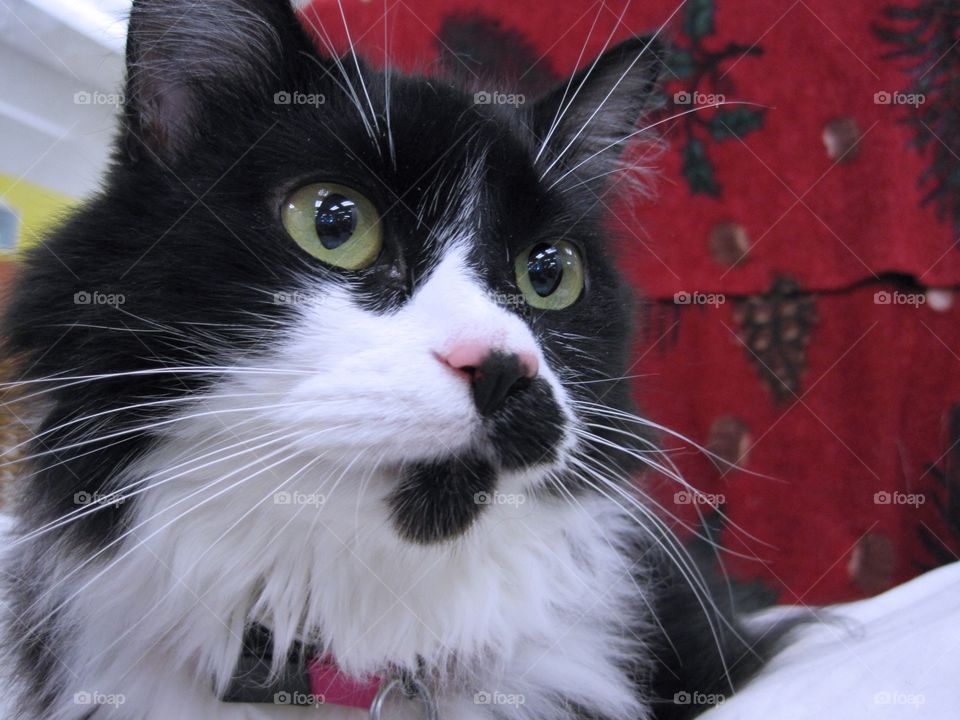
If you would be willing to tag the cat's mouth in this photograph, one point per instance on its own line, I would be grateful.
(439, 499)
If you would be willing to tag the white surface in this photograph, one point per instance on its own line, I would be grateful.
(893, 656)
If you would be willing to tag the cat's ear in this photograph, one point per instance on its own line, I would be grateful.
(585, 123)
(185, 56)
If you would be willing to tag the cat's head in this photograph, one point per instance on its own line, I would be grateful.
(388, 276)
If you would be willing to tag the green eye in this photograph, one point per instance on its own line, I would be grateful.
(550, 275)
(335, 224)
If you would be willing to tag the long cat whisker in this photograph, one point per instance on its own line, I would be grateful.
(645, 129)
(126, 408)
(210, 547)
(153, 517)
(349, 89)
(674, 475)
(687, 566)
(719, 462)
(356, 62)
(561, 106)
(642, 593)
(74, 380)
(666, 540)
(650, 43)
(665, 512)
(152, 427)
(122, 496)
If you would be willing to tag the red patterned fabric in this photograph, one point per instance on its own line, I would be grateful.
(832, 394)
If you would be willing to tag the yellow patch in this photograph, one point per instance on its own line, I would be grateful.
(39, 209)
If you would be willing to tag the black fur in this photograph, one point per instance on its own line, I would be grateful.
(436, 501)
(187, 231)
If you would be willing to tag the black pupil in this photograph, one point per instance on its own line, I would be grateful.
(544, 269)
(336, 220)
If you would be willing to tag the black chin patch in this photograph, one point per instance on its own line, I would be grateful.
(440, 500)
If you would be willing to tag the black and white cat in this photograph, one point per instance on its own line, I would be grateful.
(333, 372)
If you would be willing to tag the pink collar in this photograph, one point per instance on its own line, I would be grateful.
(329, 685)
(308, 678)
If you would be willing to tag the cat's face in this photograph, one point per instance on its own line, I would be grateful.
(402, 283)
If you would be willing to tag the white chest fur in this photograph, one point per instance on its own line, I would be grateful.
(530, 607)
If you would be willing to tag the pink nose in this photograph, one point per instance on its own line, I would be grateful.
(472, 354)
(494, 374)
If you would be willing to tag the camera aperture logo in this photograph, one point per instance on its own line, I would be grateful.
(483, 697)
(485, 97)
(695, 497)
(885, 297)
(96, 498)
(285, 97)
(885, 497)
(84, 97)
(499, 498)
(899, 698)
(508, 300)
(697, 98)
(95, 297)
(314, 499)
(299, 699)
(699, 298)
(885, 97)
(86, 697)
(295, 297)
(698, 698)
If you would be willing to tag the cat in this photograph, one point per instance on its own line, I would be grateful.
(335, 404)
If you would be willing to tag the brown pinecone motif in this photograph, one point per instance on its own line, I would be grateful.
(776, 327)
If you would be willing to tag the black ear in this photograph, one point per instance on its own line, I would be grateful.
(184, 56)
(584, 123)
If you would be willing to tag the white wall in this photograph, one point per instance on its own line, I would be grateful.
(51, 50)
(60, 63)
